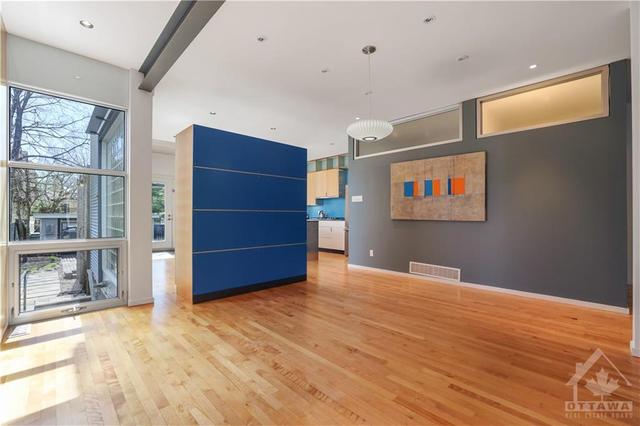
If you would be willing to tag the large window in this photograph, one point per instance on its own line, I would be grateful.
(67, 217)
(435, 128)
(66, 168)
(576, 97)
(50, 130)
(48, 205)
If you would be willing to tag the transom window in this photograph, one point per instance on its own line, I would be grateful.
(433, 128)
(576, 97)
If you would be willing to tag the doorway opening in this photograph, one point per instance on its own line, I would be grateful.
(162, 213)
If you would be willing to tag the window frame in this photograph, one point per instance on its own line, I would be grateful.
(48, 246)
(605, 93)
(66, 169)
(19, 247)
(415, 117)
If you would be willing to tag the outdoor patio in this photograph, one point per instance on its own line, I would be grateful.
(50, 281)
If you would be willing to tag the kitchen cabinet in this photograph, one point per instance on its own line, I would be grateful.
(325, 184)
(331, 234)
(311, 189)
(321, 184)
(332, 184)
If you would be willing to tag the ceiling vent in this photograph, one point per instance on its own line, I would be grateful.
(435, 271)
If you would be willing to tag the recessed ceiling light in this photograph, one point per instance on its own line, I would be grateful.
(86, 24)
(77, 77)
(324, 70)
(357, 118)
(212, 113)
(261, 38)
(533, 66)
(429, 19)
(463, 58)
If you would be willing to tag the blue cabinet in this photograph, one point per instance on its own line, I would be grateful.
(243, 199)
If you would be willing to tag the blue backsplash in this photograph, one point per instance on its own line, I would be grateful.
(333, 207)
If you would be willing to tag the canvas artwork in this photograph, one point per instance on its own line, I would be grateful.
(444, 188)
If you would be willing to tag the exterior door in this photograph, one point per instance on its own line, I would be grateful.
(162, 213)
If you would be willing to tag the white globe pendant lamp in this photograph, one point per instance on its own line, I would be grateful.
(369, 129)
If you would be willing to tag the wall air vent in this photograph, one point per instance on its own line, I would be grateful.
(435, 271)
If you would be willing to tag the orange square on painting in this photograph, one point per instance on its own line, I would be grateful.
(416, 191)
(436, 187)
(457, 186)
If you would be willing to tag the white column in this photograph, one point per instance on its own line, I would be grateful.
(139, 194)
(635, 184)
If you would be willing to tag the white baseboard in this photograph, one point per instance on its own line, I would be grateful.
(140, 301)
(635, 348)
(521, 293)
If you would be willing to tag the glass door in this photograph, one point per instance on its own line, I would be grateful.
(162, 213)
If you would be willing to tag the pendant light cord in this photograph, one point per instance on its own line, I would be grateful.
(370, 95)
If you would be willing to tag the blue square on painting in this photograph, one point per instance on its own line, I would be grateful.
(408, 189)
(428, 188)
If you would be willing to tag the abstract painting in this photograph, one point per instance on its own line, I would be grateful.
(444, 188)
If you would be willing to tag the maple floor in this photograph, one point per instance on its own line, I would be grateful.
(345, 347)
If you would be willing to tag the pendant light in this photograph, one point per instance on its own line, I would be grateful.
(369, 130)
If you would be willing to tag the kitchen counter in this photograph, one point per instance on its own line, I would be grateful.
(327, 233)
(312, 239)
(331, 235)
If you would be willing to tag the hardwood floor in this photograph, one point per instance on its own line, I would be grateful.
(346, 347)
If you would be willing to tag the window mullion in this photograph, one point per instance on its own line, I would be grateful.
(66, 169)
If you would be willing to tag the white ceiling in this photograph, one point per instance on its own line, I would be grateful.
(123, 35)
(255, 86)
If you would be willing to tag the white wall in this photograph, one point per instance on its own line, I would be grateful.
(635, 186)
(163, 164)
(40, 66)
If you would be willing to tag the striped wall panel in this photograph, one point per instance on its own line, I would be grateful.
(223, 273)
(248, 213)
(225, 150)
(219, 189)
(219, 230)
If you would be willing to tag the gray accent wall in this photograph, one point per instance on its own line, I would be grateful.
(557, 208)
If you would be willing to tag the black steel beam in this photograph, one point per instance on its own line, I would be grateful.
(185, 24)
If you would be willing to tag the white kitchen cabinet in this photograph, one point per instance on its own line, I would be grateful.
(331, 234)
